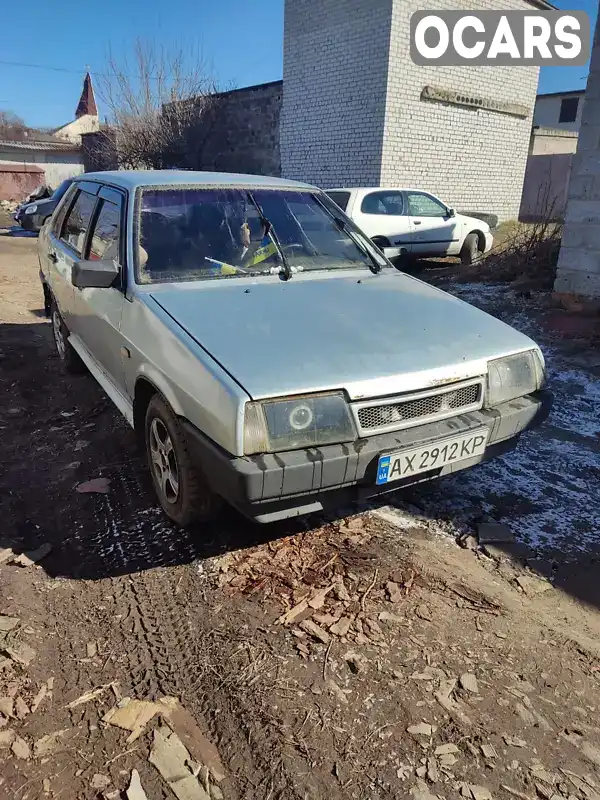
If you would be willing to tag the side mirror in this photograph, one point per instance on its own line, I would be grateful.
(451, 212)
(94, 274)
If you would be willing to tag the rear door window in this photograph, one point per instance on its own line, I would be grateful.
(340, 198)
(385, 203)
(77, 222)
(106, 234)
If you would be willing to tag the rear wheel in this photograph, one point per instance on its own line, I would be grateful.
(68, 356)
(470, 250)
(182, 490)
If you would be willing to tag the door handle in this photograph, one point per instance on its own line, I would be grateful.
(52, 257)
(417, 221)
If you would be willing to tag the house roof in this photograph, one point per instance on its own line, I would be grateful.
(560, 94)
(35, 145)
(87, 101)
(131, 179)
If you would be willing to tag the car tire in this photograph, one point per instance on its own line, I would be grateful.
(69, 358)
(181, 489)
(470, 250)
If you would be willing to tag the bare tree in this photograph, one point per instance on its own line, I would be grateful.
(12, 127)
(159, 103)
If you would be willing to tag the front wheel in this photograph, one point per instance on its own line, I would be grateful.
(182, 491)
(470, 250)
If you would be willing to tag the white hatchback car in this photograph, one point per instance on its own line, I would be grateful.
(411, 223)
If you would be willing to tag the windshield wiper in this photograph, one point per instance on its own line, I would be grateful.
(270, 231)
(342, 225)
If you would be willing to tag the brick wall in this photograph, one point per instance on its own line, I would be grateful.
(353, 113)
(244, 131)
(579, 260)
(335, 77)
(470, 157)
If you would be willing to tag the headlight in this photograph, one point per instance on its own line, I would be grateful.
(293, 423)
(514, 376)
(31, 209)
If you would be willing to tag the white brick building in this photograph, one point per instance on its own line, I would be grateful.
(354, 112)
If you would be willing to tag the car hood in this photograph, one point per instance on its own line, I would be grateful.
(371, 335)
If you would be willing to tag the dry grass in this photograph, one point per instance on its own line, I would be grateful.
(523, 254)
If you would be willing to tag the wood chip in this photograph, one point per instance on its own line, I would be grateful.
(52, 743)
(7, 706)
(336, 691)
(21, 709)
(468, 682)
(386, 616)
(489, 751)
(39, 698)
(514, 741)
(394, 592)
(89, 696)
(8, 624)
(422, 729)
(21, 653)
(341, 593)
(7, 737)
(170, 758)
(445, 749)
(480, 793)
(314, 630)
(185, 726)
(91, 649)
(33, 556)
(341, 627)
(132, 715)
(515, 792)
(294, 613)
(317, 601)
(135, 790)
(424, 612)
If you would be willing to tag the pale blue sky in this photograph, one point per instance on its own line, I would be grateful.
(242, 40)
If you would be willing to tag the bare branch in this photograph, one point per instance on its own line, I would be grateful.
(159, 101)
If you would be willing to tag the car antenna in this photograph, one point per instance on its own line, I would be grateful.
(270, 231)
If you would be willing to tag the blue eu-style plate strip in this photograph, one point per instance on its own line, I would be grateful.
(383, 470)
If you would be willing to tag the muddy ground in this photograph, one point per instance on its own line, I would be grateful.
(410, 666)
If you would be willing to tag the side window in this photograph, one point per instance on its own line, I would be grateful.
(62, 210)
(77, 221)
(423, 205)
(568, 109)
(383, 203)
(340, 199)
(106, 232)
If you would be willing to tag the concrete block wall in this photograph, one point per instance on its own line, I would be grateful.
(472, 158)
(579, 259)
(244, 135)
(335, 79)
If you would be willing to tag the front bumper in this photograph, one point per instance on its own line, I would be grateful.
(275, 486)
(31, 222)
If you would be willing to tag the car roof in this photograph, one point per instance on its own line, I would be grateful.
(132, 179)
(377, 189)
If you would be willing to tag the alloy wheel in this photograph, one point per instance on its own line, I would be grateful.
(164, 461)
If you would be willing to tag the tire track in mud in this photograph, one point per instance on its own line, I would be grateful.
(164, 630)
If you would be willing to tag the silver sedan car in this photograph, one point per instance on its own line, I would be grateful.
(266, 352)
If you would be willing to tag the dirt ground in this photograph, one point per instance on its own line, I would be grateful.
(379, 653)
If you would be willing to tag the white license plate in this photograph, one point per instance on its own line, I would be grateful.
(405, 463)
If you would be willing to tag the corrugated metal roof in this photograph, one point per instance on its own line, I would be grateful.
(6, 144)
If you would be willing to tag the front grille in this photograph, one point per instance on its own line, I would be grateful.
(414, 410)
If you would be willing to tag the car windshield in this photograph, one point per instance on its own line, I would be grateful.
(187, 233)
